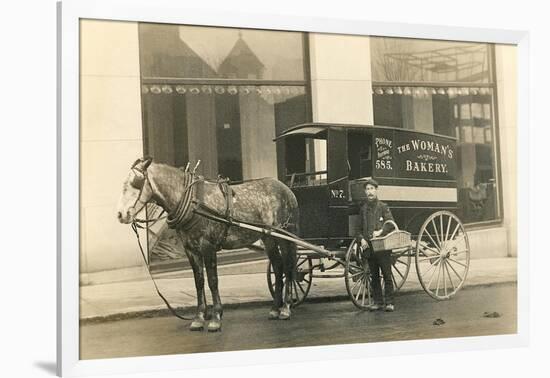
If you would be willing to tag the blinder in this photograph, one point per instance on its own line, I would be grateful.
(139, 178)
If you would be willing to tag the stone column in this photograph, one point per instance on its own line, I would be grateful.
(506, 72)
(341, 83)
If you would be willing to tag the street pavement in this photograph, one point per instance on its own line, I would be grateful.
(127, 293)
(330, 322)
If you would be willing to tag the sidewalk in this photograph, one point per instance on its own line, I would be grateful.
(138, 295)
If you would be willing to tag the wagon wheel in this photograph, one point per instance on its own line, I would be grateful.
(442, 255)
(357, 276)
(300, 287)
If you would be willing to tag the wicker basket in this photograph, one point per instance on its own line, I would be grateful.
(394, 240)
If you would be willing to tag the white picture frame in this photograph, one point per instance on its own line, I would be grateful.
(69, 14)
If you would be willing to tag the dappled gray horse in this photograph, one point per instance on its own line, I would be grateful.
(264, 201)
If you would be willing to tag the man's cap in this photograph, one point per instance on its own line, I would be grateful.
(371, 182)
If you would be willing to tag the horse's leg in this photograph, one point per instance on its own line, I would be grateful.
(211, 263)
(288, 252)
(276, 261)
(196, 262)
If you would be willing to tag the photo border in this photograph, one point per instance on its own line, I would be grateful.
(68, 141)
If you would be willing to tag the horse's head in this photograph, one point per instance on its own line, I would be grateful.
(136, 191)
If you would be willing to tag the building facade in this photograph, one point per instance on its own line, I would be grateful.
(221, 95)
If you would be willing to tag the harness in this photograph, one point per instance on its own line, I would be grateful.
(185, 215)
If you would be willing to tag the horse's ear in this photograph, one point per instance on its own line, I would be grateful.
(147, 162)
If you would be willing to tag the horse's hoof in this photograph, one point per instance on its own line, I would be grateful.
(197, 325)
(214, 326)
(273, 315)
(285, 314)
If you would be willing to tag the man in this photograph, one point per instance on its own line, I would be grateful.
(373, 214)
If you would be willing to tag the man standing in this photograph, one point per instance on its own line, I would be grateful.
(373, 214)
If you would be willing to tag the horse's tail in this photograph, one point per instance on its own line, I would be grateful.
(294, 221)
(292, 224)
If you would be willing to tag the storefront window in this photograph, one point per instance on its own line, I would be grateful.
(446, 88)
(218, 95)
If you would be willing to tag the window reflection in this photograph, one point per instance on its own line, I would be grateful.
(399, 59)
(210, 52)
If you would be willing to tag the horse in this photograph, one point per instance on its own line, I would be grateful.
(264, 201)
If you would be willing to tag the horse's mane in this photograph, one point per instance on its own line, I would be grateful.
(167, 173)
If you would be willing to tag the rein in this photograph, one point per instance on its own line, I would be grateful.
(135, 227)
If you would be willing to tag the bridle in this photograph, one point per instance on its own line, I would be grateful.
(183, 213)
(139, 181)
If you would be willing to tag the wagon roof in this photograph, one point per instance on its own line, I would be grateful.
(317, 129)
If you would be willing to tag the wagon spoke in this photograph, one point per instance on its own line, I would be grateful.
(427, 258)
(459, 252)
(458, 262)
(401, 254)
(435, 251)
(299, 285)
(355, 274)
(454, 232)
(436, 233)
(394, 281)
(432, 265)
(301, 263)
(363, 298)
(450, 278)
(433, 274)
(443, 267)
(359, 281)
(455, 272)
(359, 291)
(441, 225)
(400, 262)
(432, 239)
(438, 277)
(398, 272)
(448, 228)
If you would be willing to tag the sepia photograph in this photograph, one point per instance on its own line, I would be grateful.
(245, 189)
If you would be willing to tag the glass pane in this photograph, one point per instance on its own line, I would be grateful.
(211, 52)
(414, 60)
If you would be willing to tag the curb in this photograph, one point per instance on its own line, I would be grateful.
(189, 310)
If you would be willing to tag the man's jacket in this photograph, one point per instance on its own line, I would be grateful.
(373, 215)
